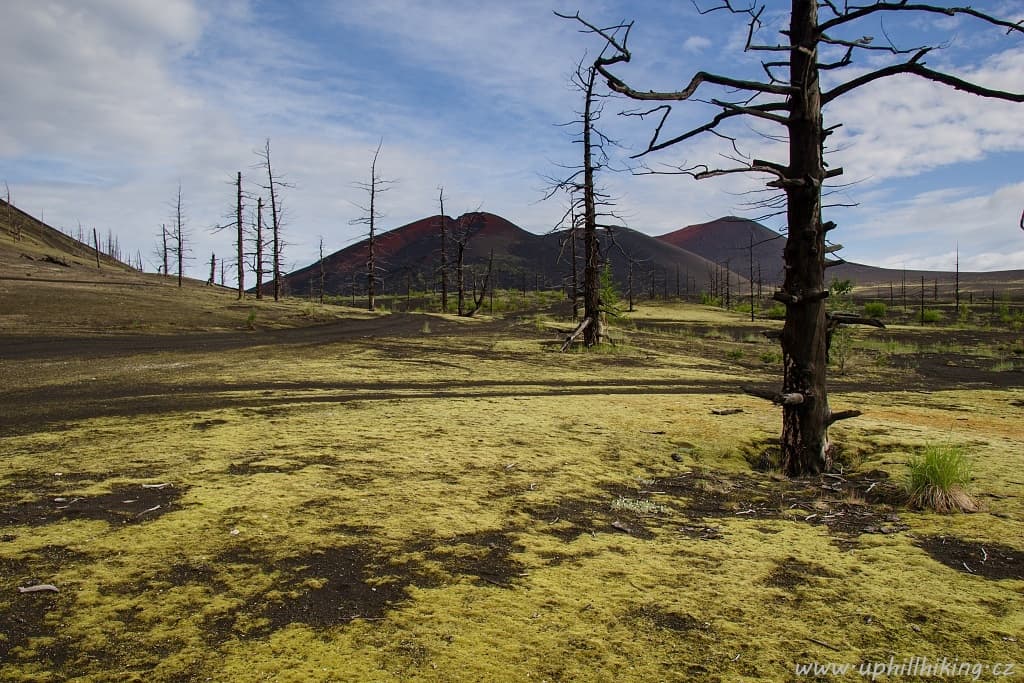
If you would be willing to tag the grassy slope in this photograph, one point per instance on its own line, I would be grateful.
(468, 478)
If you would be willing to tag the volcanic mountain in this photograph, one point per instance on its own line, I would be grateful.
(411, 256)
(742, 244)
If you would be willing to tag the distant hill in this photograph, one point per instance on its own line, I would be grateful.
(732, 241)
(411, 254)
(31, 248)
(728, 240)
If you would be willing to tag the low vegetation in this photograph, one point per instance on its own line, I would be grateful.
(417, 496)
(938, 479)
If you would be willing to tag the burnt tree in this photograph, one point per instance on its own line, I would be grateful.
(273, 188)
(178, 235)
(258, 255)
(588, 202)
(791, 96)
(444, 252)
(370, 216)
(240, 244)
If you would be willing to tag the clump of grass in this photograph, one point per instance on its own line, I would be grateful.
(875, 309)
(938, 479)
(638, 505)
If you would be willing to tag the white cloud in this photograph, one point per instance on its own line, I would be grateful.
(696, 44)
(901, 126)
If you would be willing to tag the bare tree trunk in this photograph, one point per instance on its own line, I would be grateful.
(275, 219)
(459, 274)
(259, 248)
(241, 241)
(804, 440)
(444, 255)
(594, 333)
(750, 254)
(321, 271)
(96, 246)
(163, 234)
(213, 269)
(478, 300)
(371, 264)
(956, 285)
(575, 272)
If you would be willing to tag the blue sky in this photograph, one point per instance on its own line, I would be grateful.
(109, 104)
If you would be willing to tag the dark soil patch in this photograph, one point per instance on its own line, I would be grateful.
(485, 555)
(847, 504)
(254, 466)
(570, 518)
(662, 618)
(123, 505)
(990, 560)
(206, 424)
(334, 586)
(791, 573)
(23, 616)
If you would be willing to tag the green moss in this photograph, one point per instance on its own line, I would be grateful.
(453, 494)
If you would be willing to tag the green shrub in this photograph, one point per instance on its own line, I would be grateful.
(777, 311)
(841, 349)
(938, 479)
(708, 300)
(875, 309)
(930, 315)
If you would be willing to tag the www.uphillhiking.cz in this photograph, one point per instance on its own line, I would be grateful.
(921, 667)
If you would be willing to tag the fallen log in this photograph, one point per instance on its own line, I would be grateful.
(576, 333)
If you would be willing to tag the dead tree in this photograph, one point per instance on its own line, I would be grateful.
(213, 270)
(370, 216)
(791, 96)
(179, 236)
(587, 201)
(484, 284)
(322, 273)
(444, 253)
(164, 250)
(258, 265)
(956, 284)
(273, 188)
(240, 244)
(234, 221)
(461, 240)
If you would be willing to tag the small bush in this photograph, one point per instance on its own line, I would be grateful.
(777, 312)
(930, 315)
(708, 300)
(938, 479)
(771, 357)
(875, 309)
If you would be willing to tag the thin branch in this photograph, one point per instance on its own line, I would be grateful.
(854, 13)
(917, 69)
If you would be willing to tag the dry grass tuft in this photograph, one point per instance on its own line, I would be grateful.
(938, 480)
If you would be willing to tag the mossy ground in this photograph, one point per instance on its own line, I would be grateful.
(438, 506)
